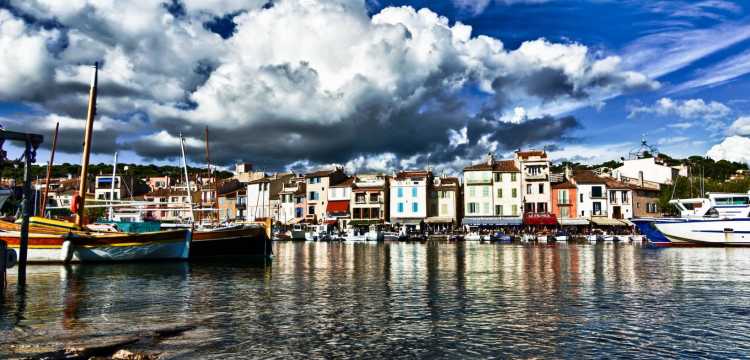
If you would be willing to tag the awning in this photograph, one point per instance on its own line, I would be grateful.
(338, 208)
(573, 221)
(539, 219)
(295, 221)
(605, 221)
(331, 222)
(499, 221)
(627, 222)
(439, 220)
(406, 221)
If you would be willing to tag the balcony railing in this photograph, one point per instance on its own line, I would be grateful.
(478, 181)
(535, 176)
(601, 196)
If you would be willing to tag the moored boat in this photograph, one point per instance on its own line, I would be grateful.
(239, 240)
(705, 232)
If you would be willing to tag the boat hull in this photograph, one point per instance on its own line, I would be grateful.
(42, 248)
(728, 232)
(248, 241)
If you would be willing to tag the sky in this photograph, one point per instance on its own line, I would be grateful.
(378, 85)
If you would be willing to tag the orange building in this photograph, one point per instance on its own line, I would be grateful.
(564, 197)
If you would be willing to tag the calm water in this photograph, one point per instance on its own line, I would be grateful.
(403, 300)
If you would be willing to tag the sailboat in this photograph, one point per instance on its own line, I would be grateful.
(61, 241)
(230, 240)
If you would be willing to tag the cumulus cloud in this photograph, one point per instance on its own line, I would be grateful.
(685, 109)
(733, 148)
(288, 88)
(741, 127)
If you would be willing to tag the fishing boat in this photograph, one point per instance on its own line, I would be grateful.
(236, 240)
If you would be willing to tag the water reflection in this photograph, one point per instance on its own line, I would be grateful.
(423, 300)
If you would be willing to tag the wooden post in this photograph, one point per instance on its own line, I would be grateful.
(26, 213)
(3, 257)
(43, 206)
(87, 147)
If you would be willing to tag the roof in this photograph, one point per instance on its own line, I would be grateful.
(321, 173)
(499, 166)
(449, 183)
(614, 184)
(347, 182)
(587, 177)
(401, 175)
(301, 188)
(529, 153)
(165, 192)
(564, 185)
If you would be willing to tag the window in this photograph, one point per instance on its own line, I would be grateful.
(581, 197)
(624, 197)
(596, 191)
(613, 196)
(414, 207)
(311, 210)
(597, 208)
(528, 189)
(541, 188)
(473, 208)
(564, 212)
(541, 207)
(444, 209)
(485, 191)
(514, 193)
(357, 214)
(413, 192)
(445, 194)
(374, 197)
(472, 191)
(499, 193)
(498, 210)
(314, 196)
(400, 192)
(401, 207)
(562, 197)
(514, 210)
(512, 176)
(375, 213)
(498, 177)
(298, 212)
(359, 198)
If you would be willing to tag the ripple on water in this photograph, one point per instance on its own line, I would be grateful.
(403, 300)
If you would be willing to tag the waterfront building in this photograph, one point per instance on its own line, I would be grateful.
(445, 203)
(158, 182)
(292, 197)
(646, 202)
(232, 205)
(170, 205)
(263, 197)
(409, 198)
(103, 189)
(619, 200)
(646, 171)
(317, 184)
(564, 204)
(592, 194)
(369, 200)
(492, 193)
(244, 173)
(338, 201)
(535, 183)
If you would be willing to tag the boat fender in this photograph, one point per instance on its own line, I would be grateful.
(75, 203)
(66, 252)
(11, 258)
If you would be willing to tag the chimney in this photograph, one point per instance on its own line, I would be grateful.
(568, 172)
(490, 159)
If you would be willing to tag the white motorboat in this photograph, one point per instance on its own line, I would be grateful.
(474, 236)
(707, 232)
(390, 236)
(528, 238)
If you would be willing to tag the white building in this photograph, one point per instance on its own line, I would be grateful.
(619, 200)
(535, 184)
(317, 184)
(646, 169)
(592, 194)
(291, 212)
(263, 197)
(409, 198)
(492, 193)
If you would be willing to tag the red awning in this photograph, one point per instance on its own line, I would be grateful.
(539, 219)
(338, 208)
(331, 222)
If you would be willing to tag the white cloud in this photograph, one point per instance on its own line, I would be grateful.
(457, 138)
(733, 148)
(672, 140)
(719, 73)
(741, 127)
(478, 6)
(25, 63)
(681, 125)
(685, 109)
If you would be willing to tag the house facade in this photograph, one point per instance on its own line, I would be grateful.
(646, 202)
(592, 194)
(445, 203)
(339, 200)
(263, 197)
(535, 184)
(317, 184)
(409, 194)
(619, 200)
(492, 193)
(292, 198)
(369, 200)
(564, 204)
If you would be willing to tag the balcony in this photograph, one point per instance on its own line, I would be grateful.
(598, 197)
(535, 176)
(479, 182)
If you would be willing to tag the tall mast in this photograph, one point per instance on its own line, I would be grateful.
(208, 177)
(43, 206)
(187, 179)
(112, 190)
(91, 112)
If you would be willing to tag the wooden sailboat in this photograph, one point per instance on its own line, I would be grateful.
(60, 241)
(223, 241)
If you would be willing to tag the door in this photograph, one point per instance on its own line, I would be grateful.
(616, 213)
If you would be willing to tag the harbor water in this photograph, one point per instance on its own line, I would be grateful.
(423, 300)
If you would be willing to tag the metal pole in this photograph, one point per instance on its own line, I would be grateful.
(112, 189)
(49, 170)
(87, 147)
(187, 179)
(26, 213)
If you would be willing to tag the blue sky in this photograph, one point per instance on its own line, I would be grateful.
(383, 85)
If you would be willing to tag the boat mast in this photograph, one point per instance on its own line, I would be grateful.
(187, 179)
(43, 206)
(91, 112)
(112, 191)
(208, 174)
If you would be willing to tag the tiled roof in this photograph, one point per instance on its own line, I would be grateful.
(498, 165)
(347, 182)
(411, 173)
(529, 153)
(587, 177)
(321, 173)
(564, 185)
